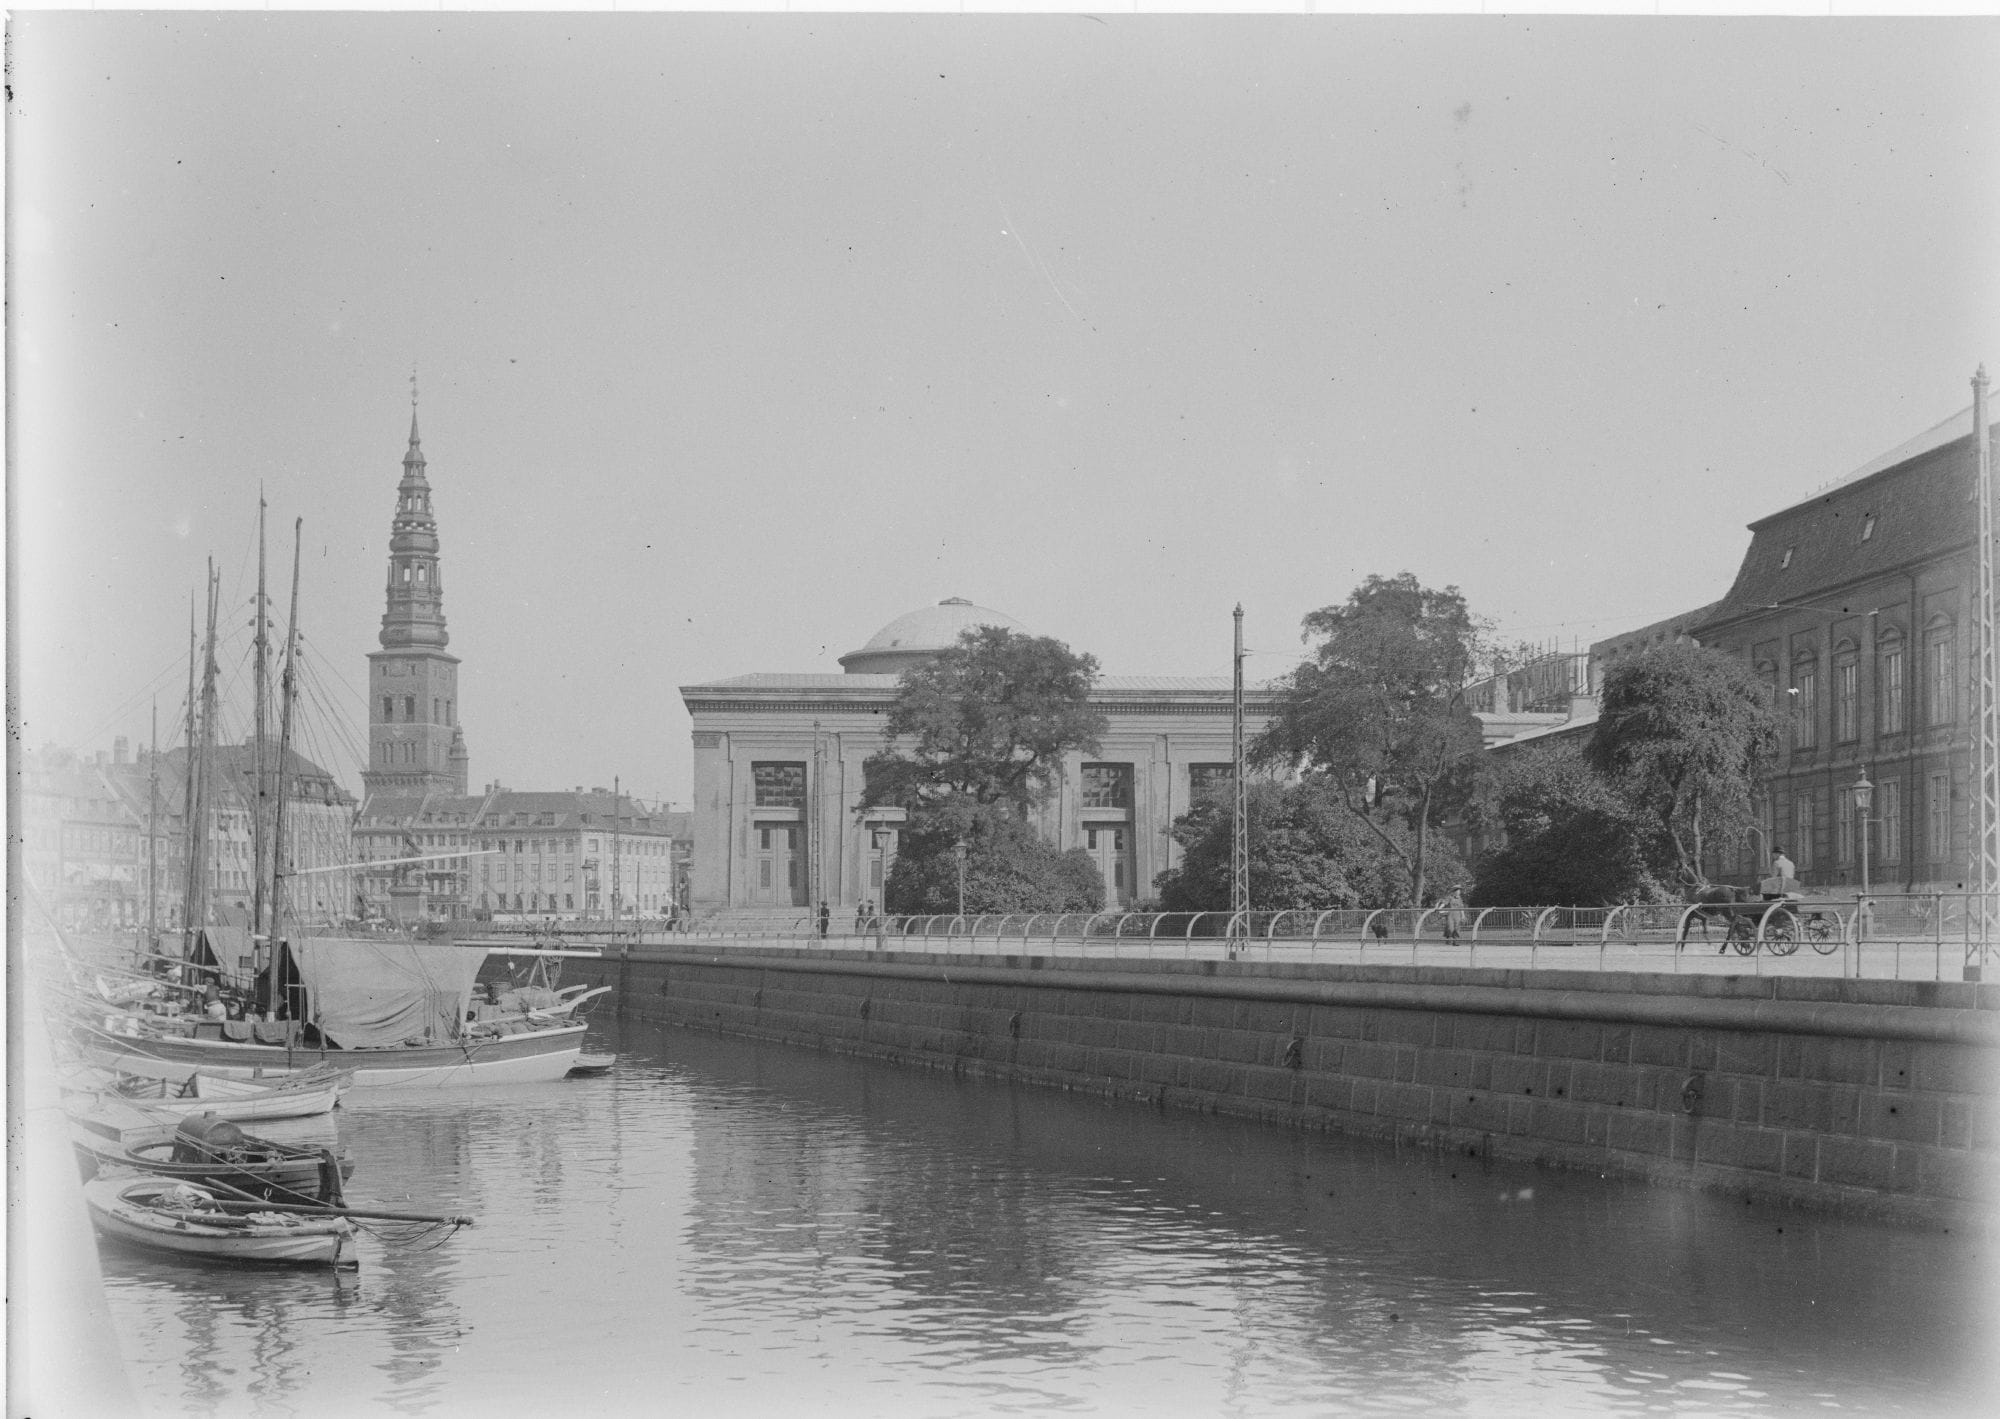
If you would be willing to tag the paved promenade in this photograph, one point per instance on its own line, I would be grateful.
(64, 1356)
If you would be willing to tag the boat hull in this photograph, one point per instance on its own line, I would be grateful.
(238, 1100)
(116, 1211)
(530, 1057)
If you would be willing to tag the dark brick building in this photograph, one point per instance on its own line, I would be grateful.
(1856, 606)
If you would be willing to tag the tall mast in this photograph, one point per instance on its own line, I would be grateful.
(153, 839)
(199, 870)
(259, 676)
(286, 687)
(614, 855)
(187, 791)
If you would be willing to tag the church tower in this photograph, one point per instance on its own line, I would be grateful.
(414, 743)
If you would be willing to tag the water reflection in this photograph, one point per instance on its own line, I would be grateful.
(759, 1230)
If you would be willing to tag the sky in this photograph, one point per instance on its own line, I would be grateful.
(737, 336)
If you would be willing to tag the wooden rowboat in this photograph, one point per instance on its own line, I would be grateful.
(302, 1095)
(208, 1150)
(162, 1215)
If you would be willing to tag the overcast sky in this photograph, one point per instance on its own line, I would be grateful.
(739, 336)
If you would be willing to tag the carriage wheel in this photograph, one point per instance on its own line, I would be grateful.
(1819, 931)
(1743, 935)
(1784, 936)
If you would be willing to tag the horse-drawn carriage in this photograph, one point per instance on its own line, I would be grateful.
(1776, 917)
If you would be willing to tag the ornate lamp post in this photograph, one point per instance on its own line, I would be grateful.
(961, 876)
(1864, 794)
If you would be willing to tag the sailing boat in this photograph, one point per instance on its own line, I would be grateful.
(395, 1012)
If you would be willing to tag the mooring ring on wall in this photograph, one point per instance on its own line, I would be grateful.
(1691, 1093)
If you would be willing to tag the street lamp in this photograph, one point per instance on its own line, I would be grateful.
(1864, 794)
(960, 849)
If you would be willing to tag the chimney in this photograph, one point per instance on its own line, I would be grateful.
(121, 749)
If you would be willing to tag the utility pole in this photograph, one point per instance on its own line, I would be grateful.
(1239, 849)
(1987, 854)
(815, 848)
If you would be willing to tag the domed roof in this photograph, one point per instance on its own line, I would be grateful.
(921, 634)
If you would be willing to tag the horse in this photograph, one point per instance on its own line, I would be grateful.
(1716, 902)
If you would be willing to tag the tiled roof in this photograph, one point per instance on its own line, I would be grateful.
(1920, 507)
(501, 808)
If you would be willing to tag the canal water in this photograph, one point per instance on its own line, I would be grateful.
(731, 1228)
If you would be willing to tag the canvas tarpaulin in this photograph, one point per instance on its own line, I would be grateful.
(374, 993)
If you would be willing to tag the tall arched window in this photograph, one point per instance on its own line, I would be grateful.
(1805, 703)
(1891, 687)
(1846, 692)
(1940, 686)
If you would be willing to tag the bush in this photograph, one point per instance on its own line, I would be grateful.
(1572, 838)
(1008, 868)
(1308, 852)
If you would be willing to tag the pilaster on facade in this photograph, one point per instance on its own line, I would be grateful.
(757, 739)
(1855, 608)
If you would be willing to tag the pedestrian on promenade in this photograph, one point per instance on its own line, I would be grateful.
(861, 918)
(825, 919)
(1453, 904)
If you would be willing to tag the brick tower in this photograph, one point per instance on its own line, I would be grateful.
(414, 742)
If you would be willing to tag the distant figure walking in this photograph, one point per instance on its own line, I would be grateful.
(825, 919)
(1453, 905)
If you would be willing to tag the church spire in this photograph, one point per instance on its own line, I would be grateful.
(415, 744)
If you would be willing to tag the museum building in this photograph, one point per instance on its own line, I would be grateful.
(778, 773)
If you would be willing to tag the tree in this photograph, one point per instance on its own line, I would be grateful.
(1307, 852)
(1379, 713)
(975, 739)
(1008, 868)
(1572, 839)
(989, 719)
(1687, 734)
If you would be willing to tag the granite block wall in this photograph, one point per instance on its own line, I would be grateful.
(1871, 1097)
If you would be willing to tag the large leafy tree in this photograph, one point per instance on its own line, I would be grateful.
(1686, 733)
(1378, 714)
(1572, 839)
(975, 739)
(988, 719)
(1307, 852)
(1008, 868)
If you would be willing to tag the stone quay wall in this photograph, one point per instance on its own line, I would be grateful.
(1869, 1097)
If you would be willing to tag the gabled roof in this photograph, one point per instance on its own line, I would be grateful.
(1879, 520)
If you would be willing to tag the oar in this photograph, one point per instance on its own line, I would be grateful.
(230, 1204)
(255, 1204)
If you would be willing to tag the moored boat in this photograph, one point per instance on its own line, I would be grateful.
(394, 1012)
(208, 1150)
(307, 1093)
(161, 1214)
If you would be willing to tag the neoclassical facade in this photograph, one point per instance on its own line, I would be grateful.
(778, 777)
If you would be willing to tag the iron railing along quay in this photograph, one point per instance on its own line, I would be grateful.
(1928, 936)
